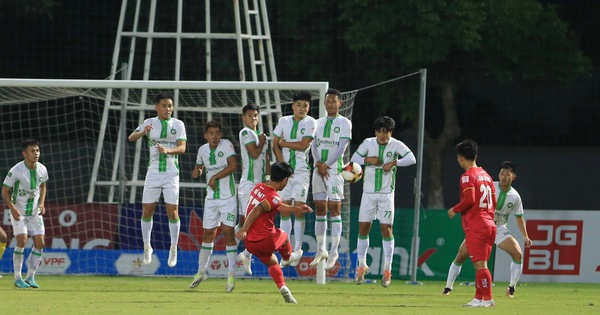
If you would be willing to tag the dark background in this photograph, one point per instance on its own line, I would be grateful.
(552, 133)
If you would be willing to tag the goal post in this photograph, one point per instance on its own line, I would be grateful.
(95, 190)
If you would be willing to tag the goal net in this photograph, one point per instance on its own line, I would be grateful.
(96, 176)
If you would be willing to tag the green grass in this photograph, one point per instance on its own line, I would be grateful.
(159, 295)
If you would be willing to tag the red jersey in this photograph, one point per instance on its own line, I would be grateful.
(264, 226)
(477, 199)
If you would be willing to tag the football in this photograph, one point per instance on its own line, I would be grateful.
(352, 172)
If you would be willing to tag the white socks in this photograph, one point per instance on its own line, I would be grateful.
(33, 262)
(146, 230)
(231, 257)
(336, 232)
(515, 272)
(205, 251)
(388, 251)
(320, 232)
(174, 231)
(299, 225)
(18, 257)
(453, 272)
(361, 247)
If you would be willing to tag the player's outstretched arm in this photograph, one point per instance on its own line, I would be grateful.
(295, 209)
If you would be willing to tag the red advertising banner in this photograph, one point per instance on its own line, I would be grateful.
(556, 247)
(76, 226)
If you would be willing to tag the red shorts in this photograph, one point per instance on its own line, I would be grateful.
(263, 249)
(479, 243)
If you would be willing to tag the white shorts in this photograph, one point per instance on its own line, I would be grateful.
(296, 188)
(377, 206)
(244, 191)
(156, 183)
(34, 224)
(217, 211)
(333, 186)
(502, 234)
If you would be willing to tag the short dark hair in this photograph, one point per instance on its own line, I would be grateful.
(509, 166)
(281, 171)
(250, 107)
(467, 149)
(384, 122)
(29, 142)
(212, 124)
(334, 91)
(161, 96)
(302, 96)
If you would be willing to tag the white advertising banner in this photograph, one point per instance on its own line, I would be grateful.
(566, 247)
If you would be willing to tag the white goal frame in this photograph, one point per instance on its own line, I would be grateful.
(270, 108)
(253, 87)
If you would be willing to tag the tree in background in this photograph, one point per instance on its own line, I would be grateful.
(507, 40)
(28, 9)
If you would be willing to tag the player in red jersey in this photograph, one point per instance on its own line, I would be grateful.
(477, 204)
(259, 233)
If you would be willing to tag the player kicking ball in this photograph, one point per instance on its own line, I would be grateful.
(259, 233)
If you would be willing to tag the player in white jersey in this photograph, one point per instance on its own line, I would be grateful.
(381, 155)
(332, 136)
(24, 193)
(217, 159)
(508, 201)
(255, 167)
(292, 138)
(166, 141)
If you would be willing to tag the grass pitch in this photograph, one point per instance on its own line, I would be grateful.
(161, 295)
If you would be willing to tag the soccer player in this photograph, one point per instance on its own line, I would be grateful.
(255, 159)
(3, 241)
(24, 193)
(508, 201)
(476, 206)
(166, 141)
(217, 158)
(332, 136)
(259, 233)
(292, 138)
(381, 155)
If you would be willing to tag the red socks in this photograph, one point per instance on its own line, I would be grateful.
(277, 275)
(483, 282)
(285, 251)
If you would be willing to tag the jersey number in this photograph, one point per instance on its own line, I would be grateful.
(252, 202)
(485, 202)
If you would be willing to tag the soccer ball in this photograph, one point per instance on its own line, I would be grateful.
(352, 172)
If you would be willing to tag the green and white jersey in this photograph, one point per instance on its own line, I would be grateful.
(507, 202)
(253, 170)
(294, 131)
(215, 160)
(25, 184)
(328, 135)
(166, 133)
(376, 180)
